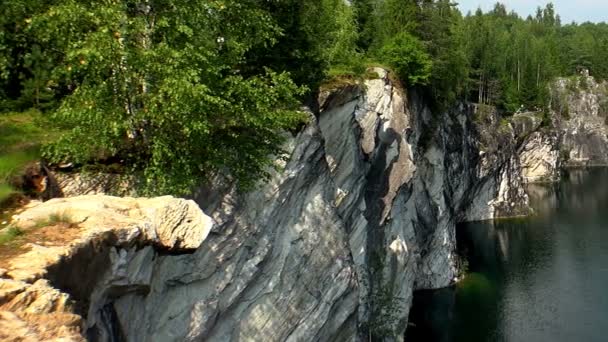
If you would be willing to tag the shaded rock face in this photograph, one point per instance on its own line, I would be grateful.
(78, 184)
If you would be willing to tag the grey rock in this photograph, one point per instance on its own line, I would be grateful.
(584, 127)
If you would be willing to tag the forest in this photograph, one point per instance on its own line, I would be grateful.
(174, 91)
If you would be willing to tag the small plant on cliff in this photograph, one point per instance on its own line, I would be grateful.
(504, 126)
(462, 266)
(583, 83)
(387, 310)
(483, 112)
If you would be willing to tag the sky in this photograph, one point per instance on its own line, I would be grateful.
(569, 10)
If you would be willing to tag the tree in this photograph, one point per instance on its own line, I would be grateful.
(313, 35)
(18, 58)
(406, 55)
(160, 87)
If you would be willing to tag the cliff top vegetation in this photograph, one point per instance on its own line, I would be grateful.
(175, 91)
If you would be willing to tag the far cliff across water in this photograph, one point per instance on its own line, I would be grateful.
(300, 171)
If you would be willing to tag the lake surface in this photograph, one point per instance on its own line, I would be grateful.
(543, 278)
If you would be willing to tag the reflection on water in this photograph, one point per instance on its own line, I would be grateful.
(543, 278)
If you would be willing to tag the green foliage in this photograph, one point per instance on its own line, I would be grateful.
(5, 192)
(24, 65)
(9, 234)
(406, 55)
(429, 31)
(314, 35)
(583, 83)
(513, 60)
(462, 266)
(161, 89)
(175, 90)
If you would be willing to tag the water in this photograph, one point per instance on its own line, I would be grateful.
(537, 279)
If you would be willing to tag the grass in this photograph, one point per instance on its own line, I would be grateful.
(5, 191)
(21, 136)
(356, 73)
(60, 218)
(9, 234)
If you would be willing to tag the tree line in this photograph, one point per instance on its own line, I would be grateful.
(176, 90)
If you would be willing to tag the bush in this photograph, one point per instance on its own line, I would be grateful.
(406, 55)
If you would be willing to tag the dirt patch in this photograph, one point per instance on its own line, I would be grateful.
(60, 234)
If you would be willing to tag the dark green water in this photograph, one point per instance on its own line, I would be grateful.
(538, 279)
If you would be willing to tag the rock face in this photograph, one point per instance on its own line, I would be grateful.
(582, 120)
(76, 184)
(362, 214)
(108, 249)
(540, 158)
(576, 131)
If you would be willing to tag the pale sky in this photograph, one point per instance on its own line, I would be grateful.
(569, 10)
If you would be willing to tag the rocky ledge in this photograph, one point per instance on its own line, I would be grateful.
(102, 247)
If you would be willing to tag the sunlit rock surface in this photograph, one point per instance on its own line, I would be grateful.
(105, 247)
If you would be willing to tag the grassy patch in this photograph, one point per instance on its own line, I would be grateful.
(21, 136)
(344, 75)
(9, 234)
(504, 126)
(55, 219)
(483, 113)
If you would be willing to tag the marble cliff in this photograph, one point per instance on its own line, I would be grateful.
(362, 214)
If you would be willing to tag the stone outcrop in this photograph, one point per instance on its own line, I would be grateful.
(105, 248)
(78, 184)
